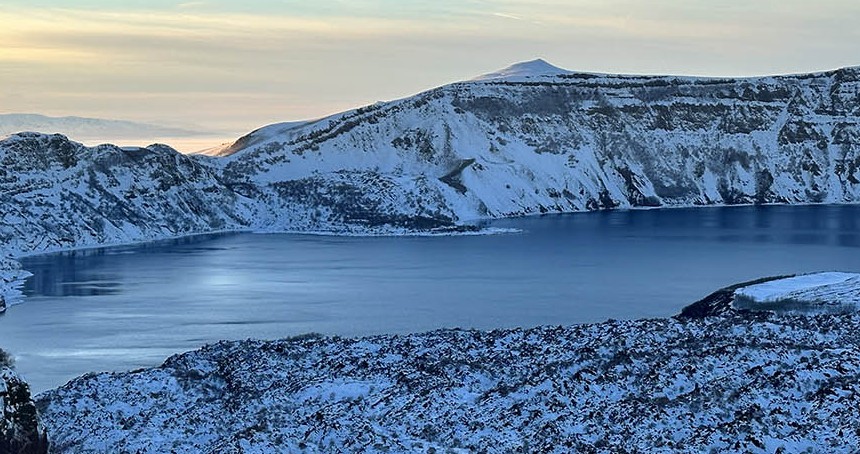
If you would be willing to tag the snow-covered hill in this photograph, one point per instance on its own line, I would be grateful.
(736, 383)
(520, 142)
(525, 71)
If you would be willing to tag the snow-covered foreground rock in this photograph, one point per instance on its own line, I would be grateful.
(736, 383)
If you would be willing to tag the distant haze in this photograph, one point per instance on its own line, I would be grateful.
(235, 66)
(93, 131)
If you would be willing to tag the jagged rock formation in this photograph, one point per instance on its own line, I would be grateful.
(736, 383)
(57, 194)
(20, 431)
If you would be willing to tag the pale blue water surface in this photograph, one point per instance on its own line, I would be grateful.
(128, 307)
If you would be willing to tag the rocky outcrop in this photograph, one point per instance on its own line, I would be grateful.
(719, 302)
(823, 292)
(20, 431)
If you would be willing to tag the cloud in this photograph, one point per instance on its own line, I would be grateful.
(507, 16)
(189, 5)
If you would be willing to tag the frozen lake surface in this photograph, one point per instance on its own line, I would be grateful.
(129, 307)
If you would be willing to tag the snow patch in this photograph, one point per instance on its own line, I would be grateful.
(524, 70)
(776, 290)
(810, 292)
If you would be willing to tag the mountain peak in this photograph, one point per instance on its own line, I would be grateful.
(524, 70)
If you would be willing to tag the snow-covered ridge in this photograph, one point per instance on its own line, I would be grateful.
(739, 383)
(571, 142)
(264, 133)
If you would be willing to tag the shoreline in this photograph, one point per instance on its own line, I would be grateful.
(13, 296)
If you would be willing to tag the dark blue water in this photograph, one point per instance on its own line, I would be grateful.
(128, 307)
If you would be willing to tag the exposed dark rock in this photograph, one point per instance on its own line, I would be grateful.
(453, 179)
(20, 431)
(719, 302)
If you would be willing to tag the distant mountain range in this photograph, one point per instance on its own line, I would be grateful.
(81, 128)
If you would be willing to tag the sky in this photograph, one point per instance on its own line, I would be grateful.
(233, 66)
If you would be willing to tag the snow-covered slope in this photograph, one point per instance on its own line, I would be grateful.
(519, 142)
(831, 291)
(739, 383)
(814, 293)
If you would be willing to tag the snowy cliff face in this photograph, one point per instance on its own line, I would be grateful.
(738, 383)
(58, 194)
(533, 139)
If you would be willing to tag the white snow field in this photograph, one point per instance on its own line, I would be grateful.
(809, 292)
